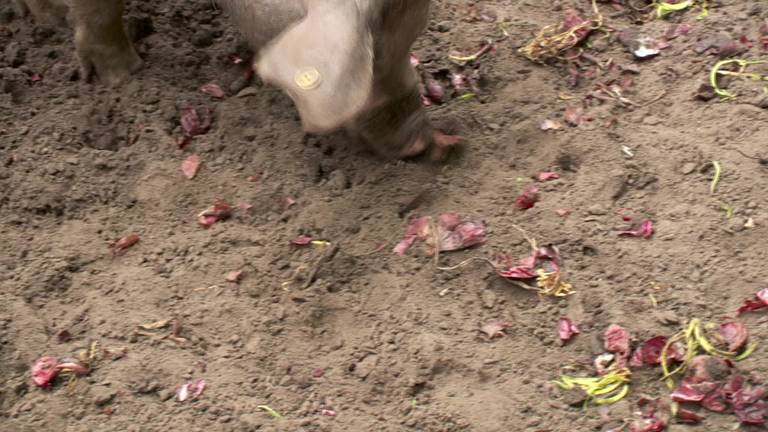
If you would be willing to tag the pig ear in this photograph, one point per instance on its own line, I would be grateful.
(325, 64)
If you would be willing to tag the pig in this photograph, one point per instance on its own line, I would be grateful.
(344, 63)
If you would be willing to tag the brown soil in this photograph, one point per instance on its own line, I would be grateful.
(397, 339)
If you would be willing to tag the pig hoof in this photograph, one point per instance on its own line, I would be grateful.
(112, 64)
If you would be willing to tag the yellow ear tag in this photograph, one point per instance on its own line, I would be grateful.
(308, 78)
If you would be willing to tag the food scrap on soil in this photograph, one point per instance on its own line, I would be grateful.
(124, 243)
(601, 390)
(191, 390)
(193, 123)
(566, 330)
(219, 211)
(213, 89)
(649, 352)
(616, 341)
(451, 233)
(190, 166)
(545, 176)
(555, 41)
(728, 343)
(528, 198)
(46, 369)
(234, 276)
(759, 301)
(494, 328)
(544, 264)
(644, 230)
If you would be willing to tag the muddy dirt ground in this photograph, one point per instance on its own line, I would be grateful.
(389, 343)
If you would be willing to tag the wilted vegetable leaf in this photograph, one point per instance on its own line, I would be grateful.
(644, 230)
(760, 301)
(44, 371)
(494, 328)
(213, 89)
(302, 240)
(616, 340)
(688, 416)
(191, 390)
(190, 166)
(566, 329)
(528, 198)
(574, 116)
(195, 123)
(219, 211)
(734, 334)
(544, 176)
(453, 233)
(649, 353)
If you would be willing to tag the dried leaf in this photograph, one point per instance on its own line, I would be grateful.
(566, 330)
(528, 198)
(213, 89)
(494, 328)
(190, 166)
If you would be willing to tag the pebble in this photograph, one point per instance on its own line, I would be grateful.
(102, 396)
(687, 168)
(252, 421)
(488, 298)
(596, 210)
(443, 26)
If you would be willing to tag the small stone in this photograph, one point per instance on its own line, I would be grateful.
(651, 120)
(488, 298)
(750, 223)
(737, 224)
(164, 394)
(687, 168)
(102, 396)
(596, 210)
(667, 318)
(366, 366)
(337, 180)
(252, 421)
(72, 160)
(14, 54)
(443, 26)
(203, 38)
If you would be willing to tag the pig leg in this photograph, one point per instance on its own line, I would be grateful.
(101, 41)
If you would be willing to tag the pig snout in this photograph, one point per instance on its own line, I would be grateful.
(399, 128)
